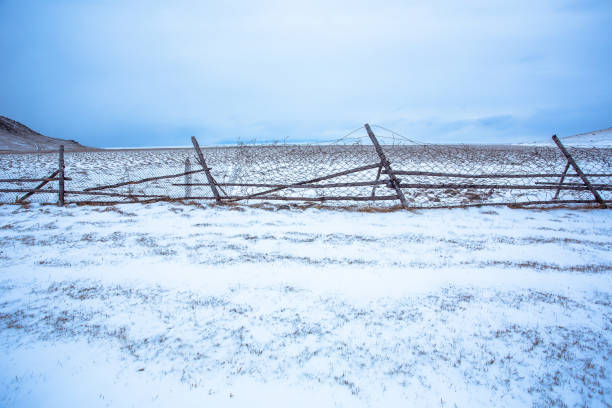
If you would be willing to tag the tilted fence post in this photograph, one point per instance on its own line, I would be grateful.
(567, 166)
(586, 181)
(383, 159)
(187, 178)
(41, 185)
(377, 178)
(61, 176)
(210, 178)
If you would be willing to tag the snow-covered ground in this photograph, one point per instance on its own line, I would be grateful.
(597, 138)
(175, 305)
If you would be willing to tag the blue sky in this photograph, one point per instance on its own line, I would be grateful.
(153, 73)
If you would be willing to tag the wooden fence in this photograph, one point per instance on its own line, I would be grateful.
(387, 177)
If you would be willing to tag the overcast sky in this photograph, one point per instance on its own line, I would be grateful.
(153, 73)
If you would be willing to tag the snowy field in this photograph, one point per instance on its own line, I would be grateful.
(175, 305)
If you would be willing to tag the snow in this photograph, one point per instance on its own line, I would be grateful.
(598, 138)
(184, 305)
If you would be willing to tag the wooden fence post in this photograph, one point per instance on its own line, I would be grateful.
(561, 181)
(383, 159)
(586, 181)
(211, 180)
(377, 178)
(61, 176)
(187, 178)
(38, 187)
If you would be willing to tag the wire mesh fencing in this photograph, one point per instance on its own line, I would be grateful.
(458, 175)
(23, 172)
(348, 171)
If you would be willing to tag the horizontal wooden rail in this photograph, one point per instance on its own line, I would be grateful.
(315, 180)
(550, 183)
(281, 198)
(483, 204)
(145, 180)
(87, 193)
(493, 186)
(328, 185)
(24, 180)
(433, 174)
(509, 204)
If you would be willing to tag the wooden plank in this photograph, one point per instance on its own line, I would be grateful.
(377, 178)
(456, 175)
(219, 185)
(61, 192)
(325, 198)
(25, 180)
(586, 181)
(486, 186)
(315, 180)
(510, 204)
(567, 166)
(41, 185)
(187, 177)
(92, 193)
(327, 185)
(141, 181)
(394, 197)
(211, 181)
(538, 186)
(554, 183)
(387, 166)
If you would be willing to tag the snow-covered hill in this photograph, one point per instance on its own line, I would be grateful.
(15, 136)
(598, 138)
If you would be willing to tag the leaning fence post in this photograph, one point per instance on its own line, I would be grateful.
(561, 181)
(187, 178)
(211, 180)
(586, 181)
(377, 178)
(61, 176)
(383, 159)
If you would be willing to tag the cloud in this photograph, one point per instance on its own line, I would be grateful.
(115, 71)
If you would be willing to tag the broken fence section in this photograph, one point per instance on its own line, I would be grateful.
(363, 168)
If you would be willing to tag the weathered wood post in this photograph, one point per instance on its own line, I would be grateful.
(211, 180)
(187, 178)
(383, 159)
(561, 181)
(61, 176)
(586, 181)
(41, 185)
(377, 178)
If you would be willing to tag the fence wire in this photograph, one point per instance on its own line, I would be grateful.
(487, 174)
(429, 175)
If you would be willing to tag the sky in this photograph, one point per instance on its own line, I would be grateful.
(153, 73)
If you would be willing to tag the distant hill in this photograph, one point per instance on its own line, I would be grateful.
(597, 138)
(15, 136)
